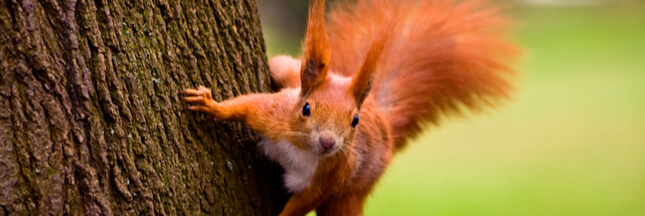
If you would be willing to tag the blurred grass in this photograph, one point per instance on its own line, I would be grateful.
(572, 143)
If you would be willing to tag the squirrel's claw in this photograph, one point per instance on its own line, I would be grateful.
(200, 91)
(200, 100)
(199, 108)
(195, 99)
(200, 96)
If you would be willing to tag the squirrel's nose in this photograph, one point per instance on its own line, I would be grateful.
(326, 142)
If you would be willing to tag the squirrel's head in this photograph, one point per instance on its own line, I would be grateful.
(326, 115)
(328, 110)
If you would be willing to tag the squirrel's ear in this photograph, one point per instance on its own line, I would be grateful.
(362, 81)
(317, 51)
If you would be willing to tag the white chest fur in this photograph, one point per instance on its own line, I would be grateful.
(299, 165)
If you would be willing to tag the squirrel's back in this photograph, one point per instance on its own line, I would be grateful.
(442, 56)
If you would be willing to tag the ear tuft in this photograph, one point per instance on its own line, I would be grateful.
(317, 50)
(362, 81)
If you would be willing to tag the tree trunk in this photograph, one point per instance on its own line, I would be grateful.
(90, 119)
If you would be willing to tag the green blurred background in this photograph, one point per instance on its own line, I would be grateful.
(571, 143)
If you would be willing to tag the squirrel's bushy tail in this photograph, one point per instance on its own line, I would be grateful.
(443, 57)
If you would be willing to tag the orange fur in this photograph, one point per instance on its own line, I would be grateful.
(442, 56)
(285, 72)
(394, 65)
(317, 52)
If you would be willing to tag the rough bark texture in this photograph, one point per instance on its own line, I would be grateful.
(90, 119)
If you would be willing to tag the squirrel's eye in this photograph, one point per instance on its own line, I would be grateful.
(305, 110)
(355, 121)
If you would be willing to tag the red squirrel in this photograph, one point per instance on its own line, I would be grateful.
(370, 78)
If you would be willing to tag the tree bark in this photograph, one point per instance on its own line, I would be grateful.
(91, 122)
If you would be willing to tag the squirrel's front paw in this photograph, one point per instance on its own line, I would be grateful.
(201, 100)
